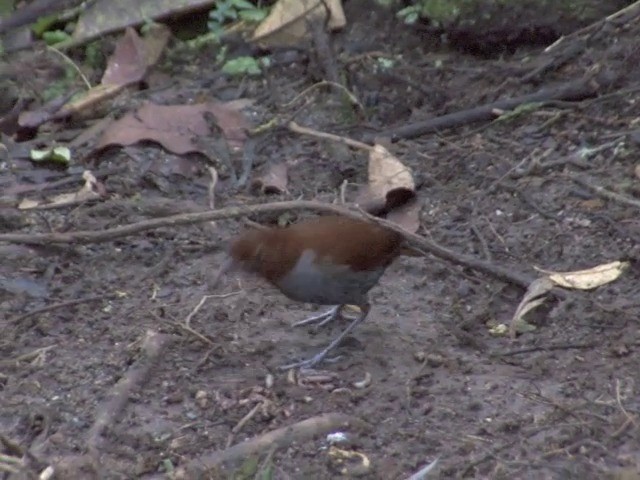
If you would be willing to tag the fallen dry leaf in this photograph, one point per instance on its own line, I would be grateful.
(9, 121)
(407, 216)
(105, 16)
(589, 278)
(127, 64)
(391, 190)
(348, 463)
(155, 38)
(387, 173)
(272, 181)
(91, 133)
(286, 24)
(175, 126)
(91, 189)
(592, 204)
(133, 55)
(533, 298)
(44, 113)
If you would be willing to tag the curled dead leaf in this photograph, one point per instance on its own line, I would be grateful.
(407, 216)
(92, 189)
(387, 173)
(533, 298)
(348, 462)
(126, 65)
(286, 24)
(176, 127)
(391, 190)
(273, 181)
(589, 278)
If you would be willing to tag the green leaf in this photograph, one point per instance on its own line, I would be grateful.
(243, 5)
(168, 465)
(216, 16)
(6, 7)
(256, 15)
(242, 66)
(411, 18)
(248, 469)
(222, 54)
(42, 24)
(385, 63)
(215, 28)
(61, 155)
(55, 36)
(519, 111)
(267, 473)
(403, 13)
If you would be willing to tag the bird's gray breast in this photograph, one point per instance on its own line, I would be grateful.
(326, 283)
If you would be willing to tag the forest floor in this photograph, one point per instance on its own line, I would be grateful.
(525, 190)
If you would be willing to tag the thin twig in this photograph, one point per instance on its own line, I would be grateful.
(503, 273)
(203, 300)
(194, 332)
(630, 419)
(27, 356)
(631, 10)
(243, 421)
(604, 193)
(298, 432)
(546, 348)
(212, 187)
(351, 96)
(483, 242)
(294, 127)
(56, 306)
(491, 453)
(73, 64)
(153, 346)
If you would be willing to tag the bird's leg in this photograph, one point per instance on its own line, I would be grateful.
(321, 319)
(319, 357)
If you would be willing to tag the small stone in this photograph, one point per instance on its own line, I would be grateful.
(435, 360)
(268, 381)
(202, 399)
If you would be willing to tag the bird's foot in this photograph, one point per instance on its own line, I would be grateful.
(321, 356)
(309, 363)
(322, 319)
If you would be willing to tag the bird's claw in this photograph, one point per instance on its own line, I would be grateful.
(321, 319)
(309, 363)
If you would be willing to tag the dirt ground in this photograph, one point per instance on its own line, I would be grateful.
(560, 402)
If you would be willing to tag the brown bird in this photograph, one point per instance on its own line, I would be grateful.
(328, 260)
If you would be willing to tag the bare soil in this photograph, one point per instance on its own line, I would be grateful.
(560, 402)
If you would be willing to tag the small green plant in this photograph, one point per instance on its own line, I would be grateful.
(247, 470)
(409, 15)
(383, 64)
(43, 24)
(93, 55)
(519, 111)
(52, 30)
(52, 37)
(59, 87)
(242, 66)
(437, 11)
(232, 10)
